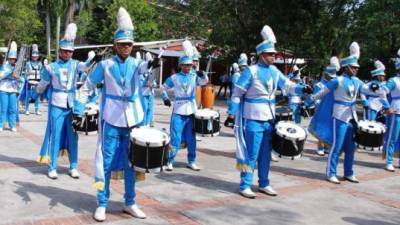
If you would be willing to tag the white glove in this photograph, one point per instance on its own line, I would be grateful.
(91, 55)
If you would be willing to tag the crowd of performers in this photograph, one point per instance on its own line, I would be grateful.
(126, 100)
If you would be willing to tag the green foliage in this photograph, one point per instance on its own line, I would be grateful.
(20, 22)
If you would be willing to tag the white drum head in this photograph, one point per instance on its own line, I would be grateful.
(91, 108)
(290, 131)
(371, 127)
(206, 114)
(144, 136)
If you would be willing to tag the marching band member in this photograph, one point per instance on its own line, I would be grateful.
(345, 90)
(184, 85)
(295, 99)
(61, 77)
(235, 70)
(318, 122)
(148, 84)
(32, 71)
(9, 87)
(254, 100)
(121, 110)
(392, 138)
(372, 104)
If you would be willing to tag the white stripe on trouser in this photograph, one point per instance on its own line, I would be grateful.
(332, 148)
(389, 139)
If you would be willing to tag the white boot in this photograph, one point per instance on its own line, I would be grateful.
(134, 211)
(100, 214)
(13, 129)
(52, 174)
(334, 180)
(248, 193)
(170, 167)
(268, 190)
(320, 152)
(390, 167)
(74, 173)
(193, 166)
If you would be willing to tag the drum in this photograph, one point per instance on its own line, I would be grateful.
(370, 135)
(89, 122)
(148, 151)
(283, 113)
(288, 139)
(79, 84)
(33, 83)
(206, 122)
(198, 97)
(208, 96)
(307, 112)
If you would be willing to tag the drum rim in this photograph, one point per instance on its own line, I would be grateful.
(284, 114)
(382, 129)
(153, 170)
(290, 138)
(285, 156)
(205, 117)
(370, 148)
(142, 143)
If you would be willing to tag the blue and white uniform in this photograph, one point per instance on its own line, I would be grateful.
(254, 101)
(392, 138)
(148, 83)
(345, 90)
(61, 77)
(182, 120)
(372, 102)
(121, 109)
(33, 70)
(9, 87)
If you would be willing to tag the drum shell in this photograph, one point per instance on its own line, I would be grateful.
(89, 125)
(282, 114)
(369, 141)
(200, 126)
(208, 96)
(198, 96)
(286, 147)
(147, 158)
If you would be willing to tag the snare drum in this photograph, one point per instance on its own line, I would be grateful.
(288, 139)
(283, 113)
(206, 122)
(32, 83)
(148, 151)
(370, 135)
(307, 111)
(89, 122)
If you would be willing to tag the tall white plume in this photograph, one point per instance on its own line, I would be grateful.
(355, 50)
(379, 65)
(398, 52)
(267, 34)
(13, 46)
(70, 32)
(235, 67)
(148, 56)
(35, 48)
(187, 48)
(243, 57)
(124, 20)
(138, 56)
(334, 61)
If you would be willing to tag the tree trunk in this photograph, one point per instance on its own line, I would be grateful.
(69, 13)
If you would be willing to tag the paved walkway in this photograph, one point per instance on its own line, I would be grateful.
(187, 197)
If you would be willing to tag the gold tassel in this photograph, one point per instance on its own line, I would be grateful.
(99, 185)
(63, 152)
(45, 159)
(117, 175)
(140, 176)
(243, 167)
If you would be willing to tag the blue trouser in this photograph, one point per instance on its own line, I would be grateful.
(182, 125)
(296, 112)
(371, 114)
(342, 139)
(148, 108)
(258, 142)
(115, 148)
(61, 123)
(392, 137)
(8, 108)
(32, 95)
